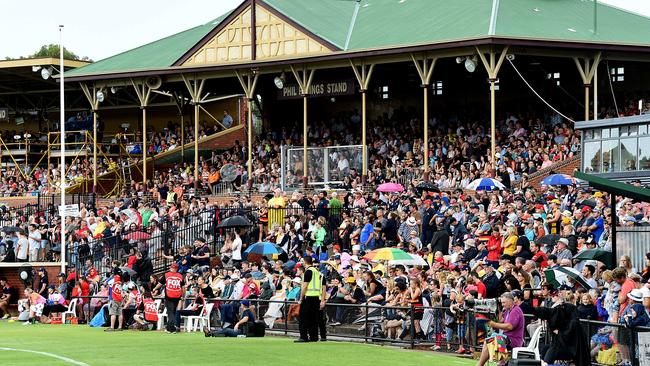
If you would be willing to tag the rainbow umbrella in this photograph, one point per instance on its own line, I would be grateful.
(387, 254)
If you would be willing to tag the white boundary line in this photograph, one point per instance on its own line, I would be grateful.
(62, 358)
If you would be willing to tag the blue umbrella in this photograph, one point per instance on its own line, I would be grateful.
(263, 248)
(558, 180)
(485, 184)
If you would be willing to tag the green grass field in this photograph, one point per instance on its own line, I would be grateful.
(82, 345)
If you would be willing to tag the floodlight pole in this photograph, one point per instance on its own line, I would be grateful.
(62, 140)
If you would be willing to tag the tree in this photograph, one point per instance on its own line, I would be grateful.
(52, 50)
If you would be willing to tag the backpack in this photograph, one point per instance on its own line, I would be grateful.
(256, 329)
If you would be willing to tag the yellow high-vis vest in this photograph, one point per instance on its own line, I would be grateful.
(314, 286)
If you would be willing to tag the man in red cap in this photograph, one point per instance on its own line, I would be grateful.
(173, 282)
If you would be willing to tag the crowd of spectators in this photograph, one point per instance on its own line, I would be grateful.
(476, 245)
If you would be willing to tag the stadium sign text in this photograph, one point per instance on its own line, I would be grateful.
(318, 89)
(4, 114)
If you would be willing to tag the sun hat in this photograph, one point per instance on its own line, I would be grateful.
(635, 295)
(411, 221)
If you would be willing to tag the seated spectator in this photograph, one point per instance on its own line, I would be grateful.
(246, 319)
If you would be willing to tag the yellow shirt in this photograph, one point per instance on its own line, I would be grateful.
(510, 245)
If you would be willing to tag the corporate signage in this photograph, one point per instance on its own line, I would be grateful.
(318, 89)
(4, 114)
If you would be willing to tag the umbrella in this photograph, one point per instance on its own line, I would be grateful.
(12, 229)
(427, 187)
(415, 260)
(485, 184)
(588, 203)
(390, 187)
(387, 254)
(558, 276)
(558, 180)
(137, 235)
(549, 240)
(129, 271)
(234, 221)
(596, 254)
(263, 248)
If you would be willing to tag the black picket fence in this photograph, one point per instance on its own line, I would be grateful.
(165, 237)
(15, 216)
(50, 202)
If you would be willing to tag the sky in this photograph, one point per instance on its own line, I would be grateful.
(99, 29)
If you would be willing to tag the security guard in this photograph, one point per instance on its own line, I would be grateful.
(312, 301)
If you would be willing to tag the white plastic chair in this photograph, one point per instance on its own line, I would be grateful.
(193, 321)
(72, 310)
(531, 351)
(161, 318)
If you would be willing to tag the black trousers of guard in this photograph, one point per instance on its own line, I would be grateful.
(171, 305)
(308, 318)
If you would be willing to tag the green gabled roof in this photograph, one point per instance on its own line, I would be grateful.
(571, 20)
(352, 25)
(386, 23)
(327, 19)
(159, 54)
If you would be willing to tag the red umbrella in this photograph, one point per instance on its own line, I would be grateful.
(137, 235)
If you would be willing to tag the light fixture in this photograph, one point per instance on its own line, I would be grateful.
(27, 136)
(17, 137)
(36, 68)
(470, 64)
(460, 59)
(46, 72)
(100, 96)
(114, 89)
(279, 81)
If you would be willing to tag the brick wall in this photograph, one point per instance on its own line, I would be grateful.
(13, 274)
(561, 167)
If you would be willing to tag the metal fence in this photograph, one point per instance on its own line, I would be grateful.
(165, 238)
(49, 203)
(400, 325)
(14, 216)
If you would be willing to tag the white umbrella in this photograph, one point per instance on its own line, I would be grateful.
(415, 260)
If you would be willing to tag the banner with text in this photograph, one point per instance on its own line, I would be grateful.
(319, 89)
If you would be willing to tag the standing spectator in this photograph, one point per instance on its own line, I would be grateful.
(22, 247)
(34, 244)
(43, 282)
(227, 120)
(115, 308)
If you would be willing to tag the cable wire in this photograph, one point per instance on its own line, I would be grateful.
(611, 87)
(537, 94)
